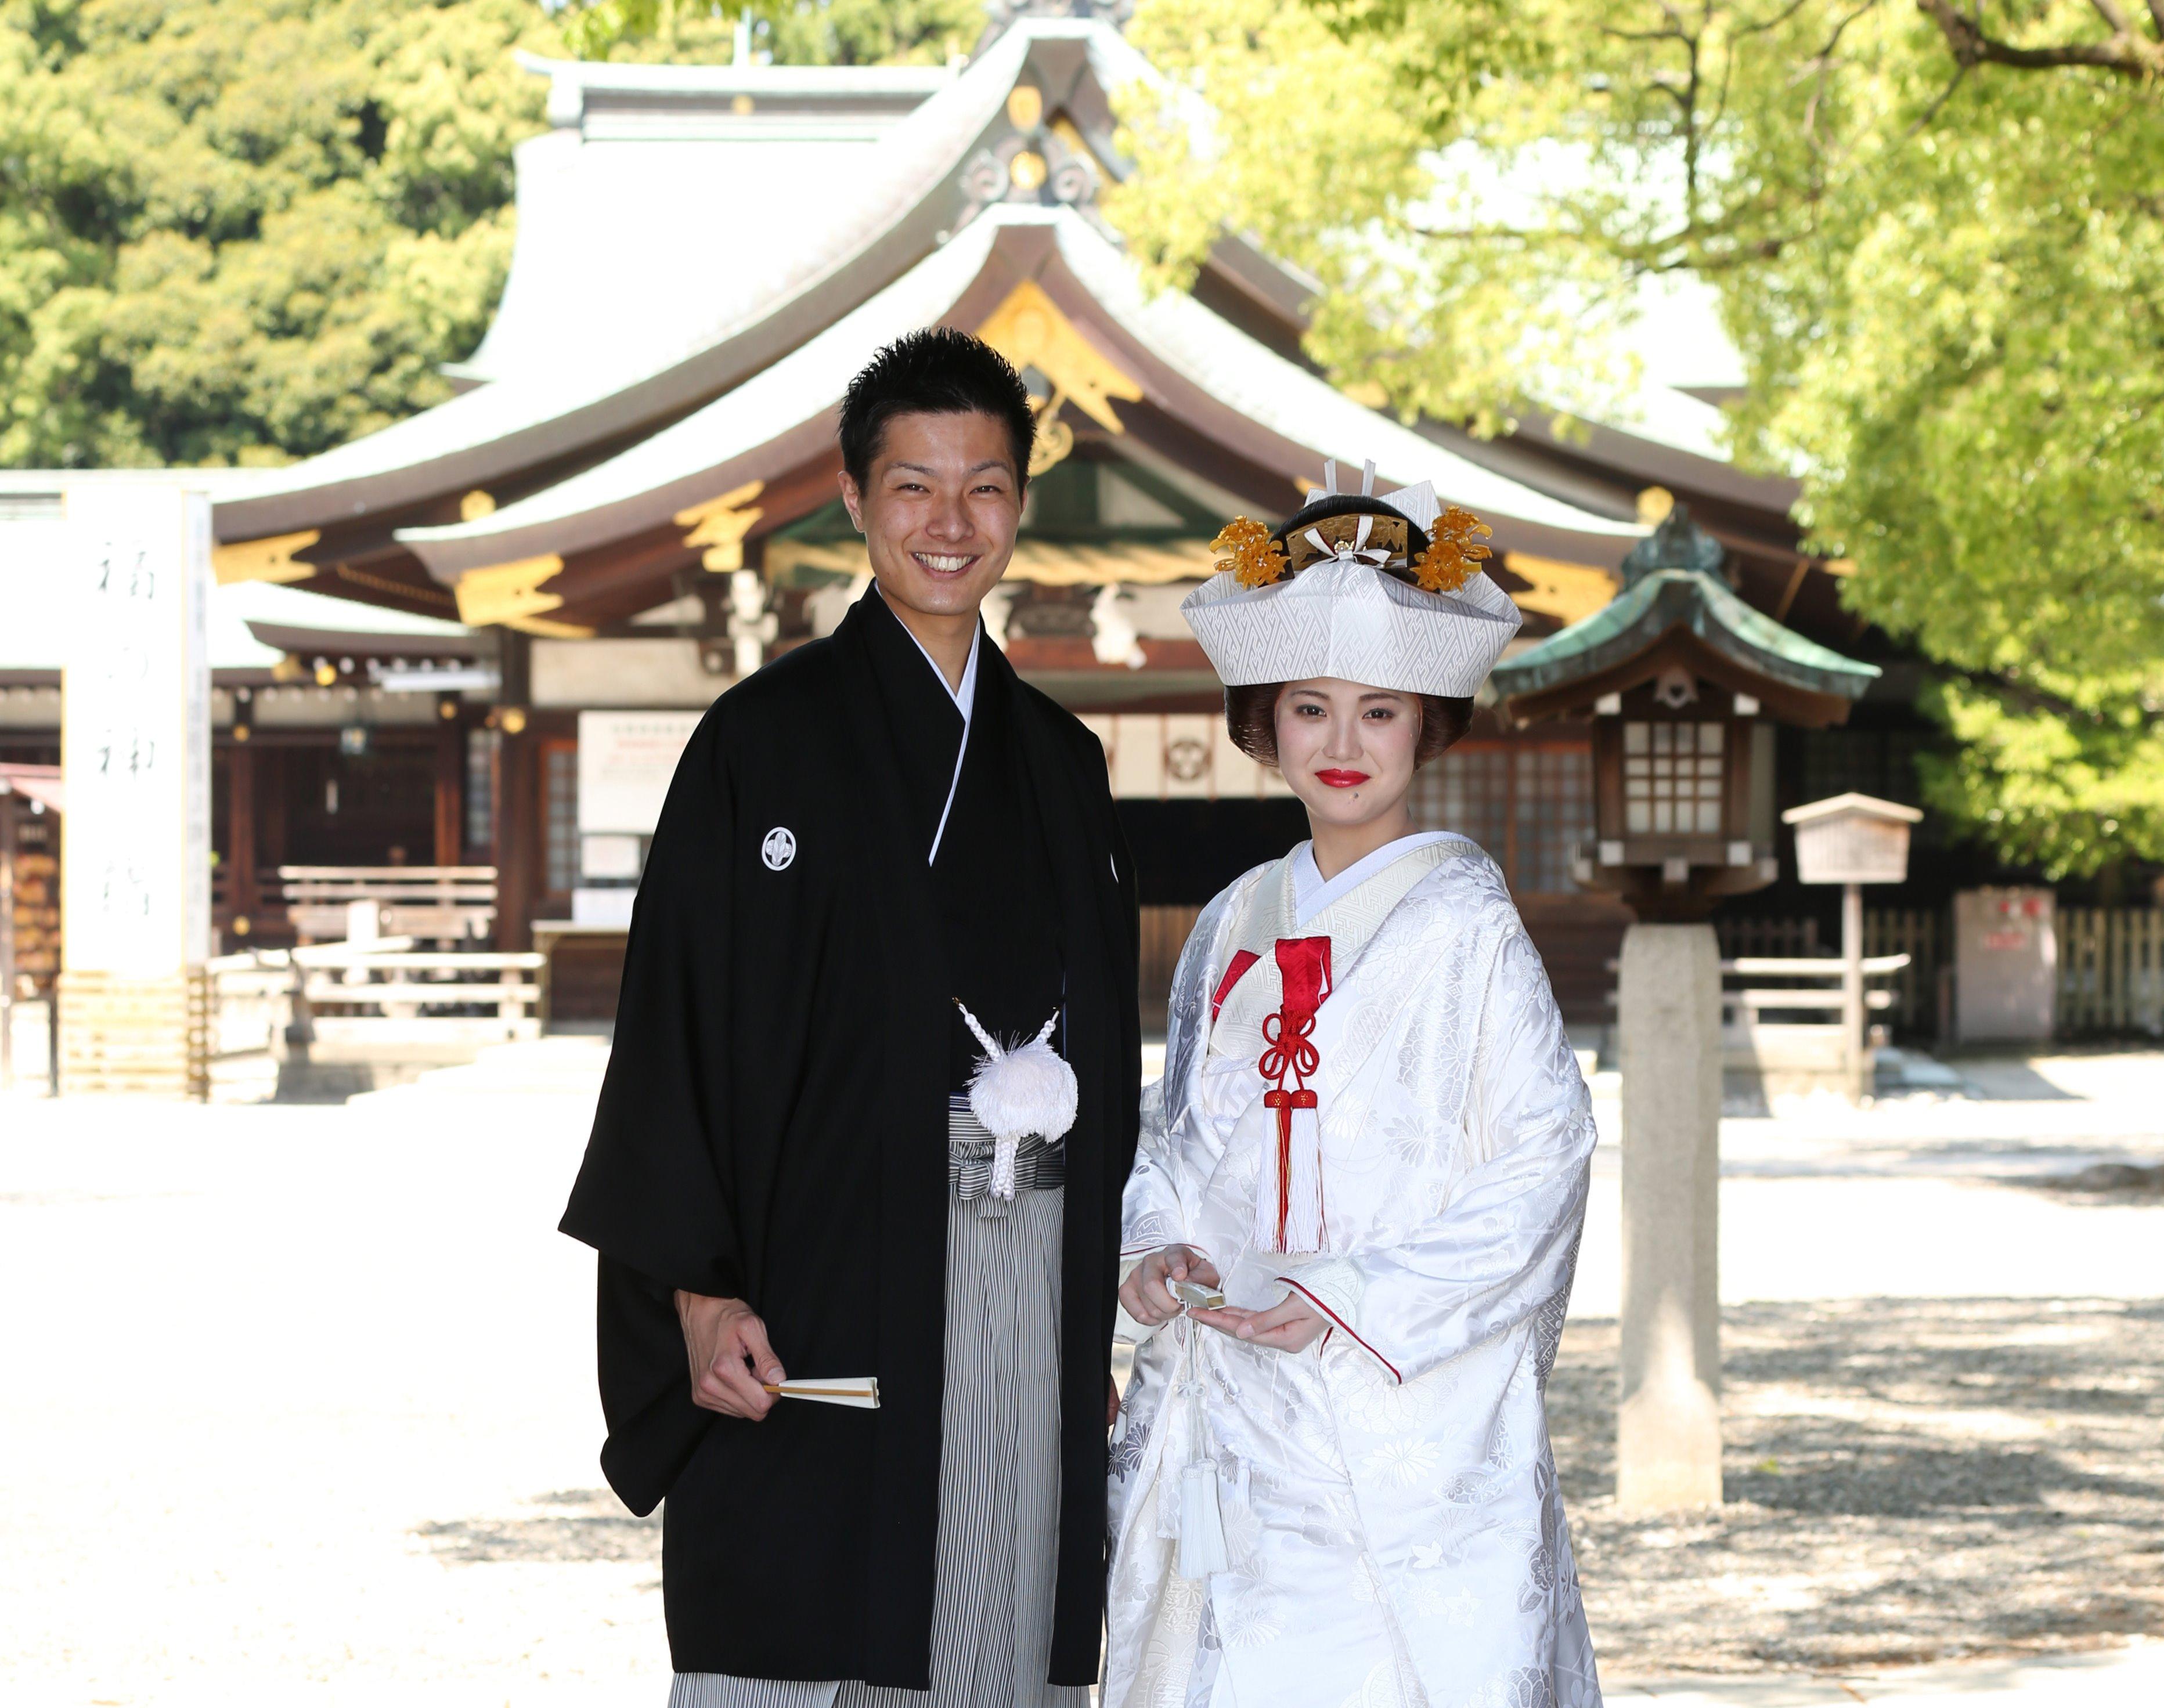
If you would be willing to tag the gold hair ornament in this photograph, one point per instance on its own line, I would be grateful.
(1453, 552)
(1257, 560)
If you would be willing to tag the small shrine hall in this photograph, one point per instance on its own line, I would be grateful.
(632, 502)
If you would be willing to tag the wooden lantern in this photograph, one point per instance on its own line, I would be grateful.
(1677, 672)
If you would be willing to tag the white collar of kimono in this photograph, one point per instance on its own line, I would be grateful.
(1312, 892)
(965, 702)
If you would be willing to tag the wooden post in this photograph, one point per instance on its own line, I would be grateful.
(7, 937)
(519, 831)
(1667, 1455)
(1856, 1059)
(518, 836)
(450, 794)
(241, 837)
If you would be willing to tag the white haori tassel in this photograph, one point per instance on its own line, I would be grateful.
(1028, 1089)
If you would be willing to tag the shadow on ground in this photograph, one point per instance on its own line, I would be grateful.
(1907, 1480)
(568, 1528)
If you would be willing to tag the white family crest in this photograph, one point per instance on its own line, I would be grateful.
(779, 848)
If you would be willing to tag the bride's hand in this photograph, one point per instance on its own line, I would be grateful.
(1291, 1325)
(1144, 1292)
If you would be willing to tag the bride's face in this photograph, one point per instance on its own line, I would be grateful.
(1346, 749)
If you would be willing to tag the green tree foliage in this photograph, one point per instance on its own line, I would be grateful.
(789, 32)
(246, 231)
(1937, 234)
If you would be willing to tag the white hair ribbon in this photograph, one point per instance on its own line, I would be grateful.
(1356, 550)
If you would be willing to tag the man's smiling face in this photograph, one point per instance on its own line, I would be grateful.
(939, 511)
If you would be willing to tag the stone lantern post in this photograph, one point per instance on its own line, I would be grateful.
(1683, 682)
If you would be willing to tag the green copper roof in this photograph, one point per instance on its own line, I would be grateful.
(1658, 601)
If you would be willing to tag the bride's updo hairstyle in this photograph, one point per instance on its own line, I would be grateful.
(1251, 709)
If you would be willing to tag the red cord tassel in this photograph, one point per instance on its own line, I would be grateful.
(1304, 966)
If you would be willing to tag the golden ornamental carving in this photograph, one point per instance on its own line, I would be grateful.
(269, 559)
(1031, 331)
(510, 593)
(719, 525)
(1569, 592)
(1054, 438)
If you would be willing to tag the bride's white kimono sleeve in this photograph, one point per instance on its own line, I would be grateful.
(1504, 1245)
(1159, 1206)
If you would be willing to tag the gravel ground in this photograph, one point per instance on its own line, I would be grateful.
(296, 1404)
(1908, 1481)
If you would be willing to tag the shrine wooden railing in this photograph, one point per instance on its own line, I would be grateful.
(339, 998)
(434, 904)
(1791, 1024)
(1915, 932)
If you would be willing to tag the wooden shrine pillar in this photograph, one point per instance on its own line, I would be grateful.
(519, 831)
(450, 792)
(240, 883)
(7, 937)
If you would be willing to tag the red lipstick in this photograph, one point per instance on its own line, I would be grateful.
(1341, 779)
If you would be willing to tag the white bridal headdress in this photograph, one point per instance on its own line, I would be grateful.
(1348, 596)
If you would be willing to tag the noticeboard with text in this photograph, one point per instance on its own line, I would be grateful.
(626, 760)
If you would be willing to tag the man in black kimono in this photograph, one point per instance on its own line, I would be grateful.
(873, 834)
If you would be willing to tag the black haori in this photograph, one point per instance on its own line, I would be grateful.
(774, 1127)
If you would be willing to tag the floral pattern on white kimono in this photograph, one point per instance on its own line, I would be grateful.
(1392, 1526)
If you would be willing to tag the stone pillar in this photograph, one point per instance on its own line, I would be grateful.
(136, 756)
(1669, 1422)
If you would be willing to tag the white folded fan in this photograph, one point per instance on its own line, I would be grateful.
(860, 1391)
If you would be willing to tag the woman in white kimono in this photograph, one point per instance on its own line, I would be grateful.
(1373, 1137)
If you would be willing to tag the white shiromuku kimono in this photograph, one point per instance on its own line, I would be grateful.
(1391, 1529)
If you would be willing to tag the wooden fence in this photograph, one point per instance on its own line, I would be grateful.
(374, 998)
(2111, 971)
(2111, 962)
(1914, 1010)
(434, 904)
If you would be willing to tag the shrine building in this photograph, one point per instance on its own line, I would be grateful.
(478, 636)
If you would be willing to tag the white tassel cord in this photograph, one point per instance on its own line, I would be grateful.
(1303, 1222)
(1201, 1522)
(1029, 1089)
(1305, 1226)
(1195, 1519)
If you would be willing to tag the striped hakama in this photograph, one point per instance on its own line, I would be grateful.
(998, 1456)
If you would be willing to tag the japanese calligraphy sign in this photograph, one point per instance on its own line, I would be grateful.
(135, 729)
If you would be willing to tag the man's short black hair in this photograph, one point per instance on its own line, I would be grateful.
(938, 371)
